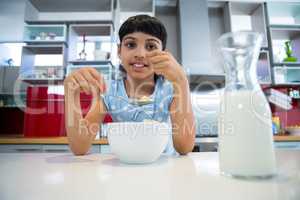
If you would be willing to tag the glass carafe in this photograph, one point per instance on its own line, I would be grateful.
(245, 122)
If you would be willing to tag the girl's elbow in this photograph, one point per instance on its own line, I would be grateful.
(186, 150)
(78, 151)
(188, 145)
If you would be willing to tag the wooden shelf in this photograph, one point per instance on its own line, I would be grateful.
(20, 139)
(45, 49)
(285, 26)
(294, 65)
(286, 138)
(285, 84)
(105, 63)
(37, 81)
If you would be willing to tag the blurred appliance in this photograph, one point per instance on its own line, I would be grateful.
(206, 105)
(206, 93)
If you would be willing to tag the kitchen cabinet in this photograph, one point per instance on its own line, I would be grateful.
(52, 148)
(98, 37)
(245, 16)
(20, 148)
(105, 149)
(202, 23)
(288, 145)
(44, 33)
(19, 143)
(10, 83)
(195, 38)
(43, 148)
(276, 21)
(101, 51)
(284, 25)
(54, 32)
(43, 41)
(238, 16)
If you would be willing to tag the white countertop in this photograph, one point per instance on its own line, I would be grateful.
(50, 176)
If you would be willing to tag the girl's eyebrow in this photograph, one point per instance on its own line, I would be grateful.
(129, 37)
(153, 40)
(148, 40)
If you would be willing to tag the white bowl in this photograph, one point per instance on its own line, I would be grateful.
(138, 142)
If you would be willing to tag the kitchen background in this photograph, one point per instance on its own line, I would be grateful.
(41, 41)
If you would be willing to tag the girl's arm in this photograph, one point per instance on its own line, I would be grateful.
(182, 117)
(81, 131)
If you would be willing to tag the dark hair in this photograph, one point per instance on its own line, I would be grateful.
(146, 24)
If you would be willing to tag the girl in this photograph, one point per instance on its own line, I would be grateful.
(148, 71)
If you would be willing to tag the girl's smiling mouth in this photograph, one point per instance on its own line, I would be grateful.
(139, 65)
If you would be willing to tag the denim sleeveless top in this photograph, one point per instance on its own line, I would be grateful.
(118, 106)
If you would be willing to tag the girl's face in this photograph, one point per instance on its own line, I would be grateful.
(132, 52)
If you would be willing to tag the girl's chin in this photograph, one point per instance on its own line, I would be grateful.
(139, 75)
(141, 70)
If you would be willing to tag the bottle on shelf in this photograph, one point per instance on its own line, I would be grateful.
(276, 125)
(291, 92)
(83, 54)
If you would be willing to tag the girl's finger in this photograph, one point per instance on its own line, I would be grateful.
(99, 78)
(161, 65)
(73, 84)
(95, 73)
(82, 82)
(158, 59)
(155, 53)
(93, 83)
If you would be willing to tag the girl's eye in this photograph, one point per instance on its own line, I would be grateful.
(151, 47)
(130, 45)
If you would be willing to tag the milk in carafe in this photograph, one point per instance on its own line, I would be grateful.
(245, 121)
(245, 134)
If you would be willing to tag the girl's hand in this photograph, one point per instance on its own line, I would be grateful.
(86, 79)
(165, 64)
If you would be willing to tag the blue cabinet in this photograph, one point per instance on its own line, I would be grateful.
(288, 145)
(45, 33)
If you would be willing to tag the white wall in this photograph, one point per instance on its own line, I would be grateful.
(255, 0)
(12, 19)
(31, 13)
(170, 19)
(195, 37)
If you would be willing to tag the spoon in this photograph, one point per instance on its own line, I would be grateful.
(145, 100)
(135, 101)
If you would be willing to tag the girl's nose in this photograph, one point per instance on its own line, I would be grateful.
(140, 52)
